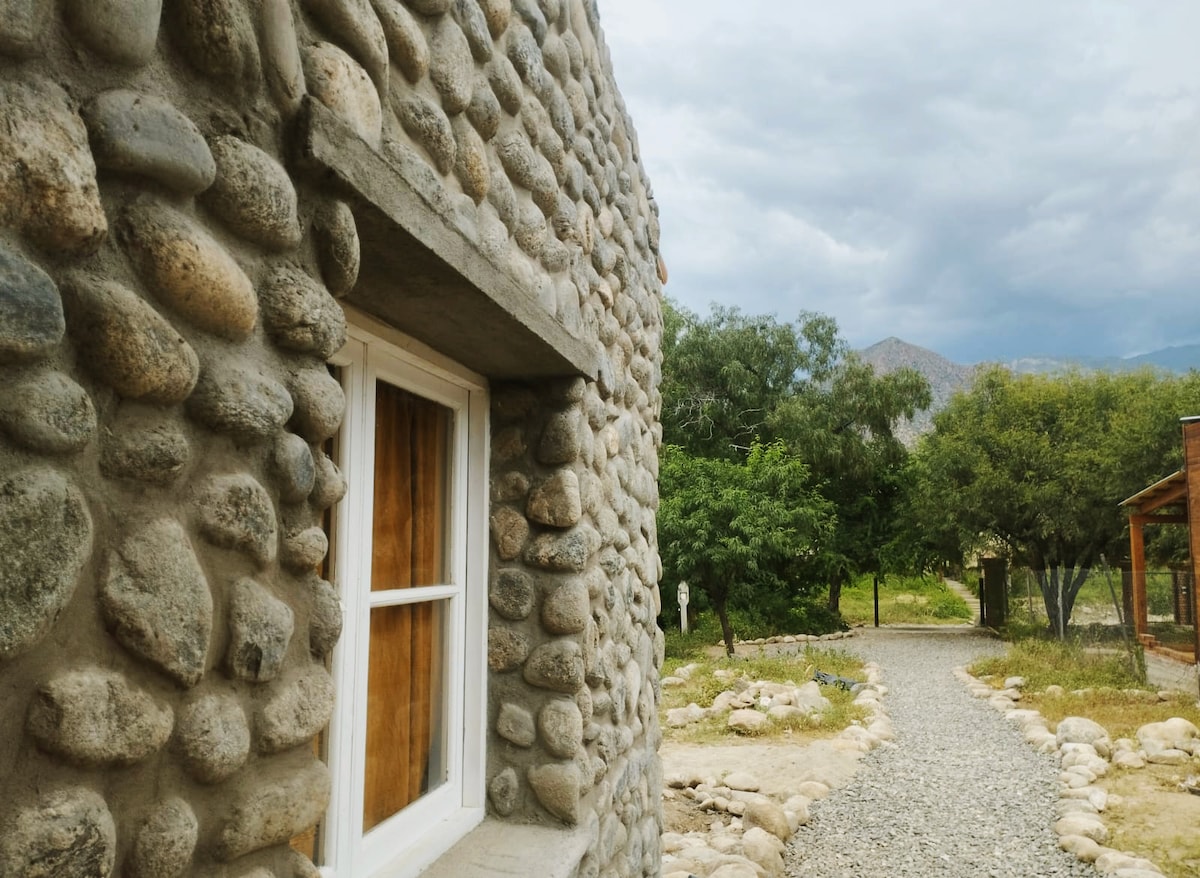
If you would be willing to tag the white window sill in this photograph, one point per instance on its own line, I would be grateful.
(439, 842)
(498, 848)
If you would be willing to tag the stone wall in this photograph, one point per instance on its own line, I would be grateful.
(169, 276)
(574, 649)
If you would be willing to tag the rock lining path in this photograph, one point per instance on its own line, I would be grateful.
(959, 793)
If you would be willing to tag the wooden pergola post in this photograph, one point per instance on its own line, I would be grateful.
(1146, 507)
(1137, 559)
(1191, 468)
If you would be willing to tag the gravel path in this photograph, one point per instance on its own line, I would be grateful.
(961, 794)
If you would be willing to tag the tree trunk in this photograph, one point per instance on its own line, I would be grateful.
(835, 592)
(1060, 586)
(726, 629)
(1049, 583)
(1073, 583)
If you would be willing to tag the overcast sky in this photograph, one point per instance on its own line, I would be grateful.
(987, 179)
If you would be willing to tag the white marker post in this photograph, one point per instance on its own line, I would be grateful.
(683, 594)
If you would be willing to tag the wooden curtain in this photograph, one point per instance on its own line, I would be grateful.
(408, 548)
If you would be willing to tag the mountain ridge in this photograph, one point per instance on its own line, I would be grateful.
(1177, 358)
(947, 377)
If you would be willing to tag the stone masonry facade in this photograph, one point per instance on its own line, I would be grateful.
(174, 258)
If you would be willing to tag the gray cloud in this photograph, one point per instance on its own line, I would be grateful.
(988, 179)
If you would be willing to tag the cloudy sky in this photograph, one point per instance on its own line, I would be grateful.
(987, 179)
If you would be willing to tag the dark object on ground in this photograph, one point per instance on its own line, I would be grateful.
(834, 680)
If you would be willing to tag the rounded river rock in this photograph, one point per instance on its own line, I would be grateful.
(260, 629)
(165, 842)
(253, 194)
(45, 540)
(300, 314)
(213, 737)
(156, 600)
(143, 134)
(48, 186)
(189, 271)
(240, 400)
(68, 832)
(31, 314)
(47, 412)
(94, 717)
(128, 344)
(235, 512)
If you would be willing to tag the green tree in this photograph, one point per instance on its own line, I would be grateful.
(1148, 438)
(730, 379)
(927, 536)
(725, 376)
(1038, 464)
(845, 428)
(734, 529)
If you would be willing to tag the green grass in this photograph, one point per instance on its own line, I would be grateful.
(702, 687)
(1094, 594)
(1043, 662)
(778, 668)
(807, 616)
(903, 600)
(695, 645)
(781, 668)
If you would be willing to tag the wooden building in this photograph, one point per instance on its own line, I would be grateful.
(1172, 500)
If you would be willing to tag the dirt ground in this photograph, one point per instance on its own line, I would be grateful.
(778, 767)
(683, 815)
(1154, 817)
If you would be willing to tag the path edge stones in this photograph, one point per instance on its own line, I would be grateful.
(1085, 753)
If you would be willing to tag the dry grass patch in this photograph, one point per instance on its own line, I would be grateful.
(702, 687)
(1154, 817)
(1120, 712)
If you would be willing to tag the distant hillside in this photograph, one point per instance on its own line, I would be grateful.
(944, 378)
(1180, 358)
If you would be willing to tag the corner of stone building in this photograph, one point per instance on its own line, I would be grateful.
(169, 285)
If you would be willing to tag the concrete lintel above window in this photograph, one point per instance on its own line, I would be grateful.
(425, 277)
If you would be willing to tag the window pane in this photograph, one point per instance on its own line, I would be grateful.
(412, 468)
(406, 728)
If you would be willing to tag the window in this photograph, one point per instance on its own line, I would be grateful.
(408, 548)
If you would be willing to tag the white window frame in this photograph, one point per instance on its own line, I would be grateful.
(409, 841)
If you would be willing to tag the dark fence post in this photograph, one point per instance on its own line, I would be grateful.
(983, 619)
(994, 607)
(876, 600)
